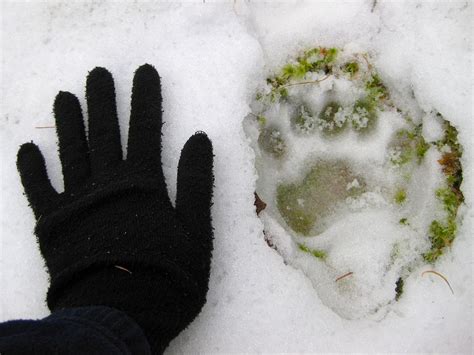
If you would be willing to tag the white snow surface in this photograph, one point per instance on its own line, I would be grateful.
(211, 57)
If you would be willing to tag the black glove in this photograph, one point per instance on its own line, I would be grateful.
(113, 237)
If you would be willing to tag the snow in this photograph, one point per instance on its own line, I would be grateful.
(211, 57)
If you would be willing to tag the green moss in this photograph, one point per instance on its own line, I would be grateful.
(403, 144)
(262, 120)
(364, 117)
(331, 55)
(277, 81)
(400, 196)
(421, 148)
(450, 137)
(351, 68)
(283, 93)
(272, 142)
(376, 93)
(278, 94)
(375, 89)
(304, 205)
(449, 199)
(312, 60)
(432, 255)
(310, 53)
(295, 71)
(317, 253)
(317, 59)
(274, 96)
(303, 120)
(331, 121)
(411, 145)
(442, 233)
(403, 221)
(451, 161)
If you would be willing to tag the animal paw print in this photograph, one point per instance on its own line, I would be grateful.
(360, 184)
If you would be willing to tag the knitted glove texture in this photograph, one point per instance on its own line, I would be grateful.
(113, 237)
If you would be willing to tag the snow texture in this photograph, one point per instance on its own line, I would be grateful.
(212, 56)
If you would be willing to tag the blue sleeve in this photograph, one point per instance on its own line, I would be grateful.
(82, 330)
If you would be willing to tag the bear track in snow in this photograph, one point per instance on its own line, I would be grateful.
(360, 184)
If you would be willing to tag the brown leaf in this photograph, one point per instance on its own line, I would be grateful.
(259, 204)
(450, 163)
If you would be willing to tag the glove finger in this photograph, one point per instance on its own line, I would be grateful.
(73, 150)
(195, 183)
(32, 169)
(144, 137)
(104, 133)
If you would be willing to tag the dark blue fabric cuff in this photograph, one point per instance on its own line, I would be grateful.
(81, 330)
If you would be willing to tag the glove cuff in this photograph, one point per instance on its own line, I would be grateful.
(159, 303)
(116, 325)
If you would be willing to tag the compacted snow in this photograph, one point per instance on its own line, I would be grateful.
(214, 57)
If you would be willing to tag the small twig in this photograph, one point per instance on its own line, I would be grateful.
(305, 82)
(343, 276)
(438, 274)
(122, 268)
(41, 127)
(298, 83)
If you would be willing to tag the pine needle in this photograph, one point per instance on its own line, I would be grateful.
(306, 82)
(438, 274)
(343, 276)
(122, 268)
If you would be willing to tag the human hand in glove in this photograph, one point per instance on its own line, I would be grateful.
(113, 237)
